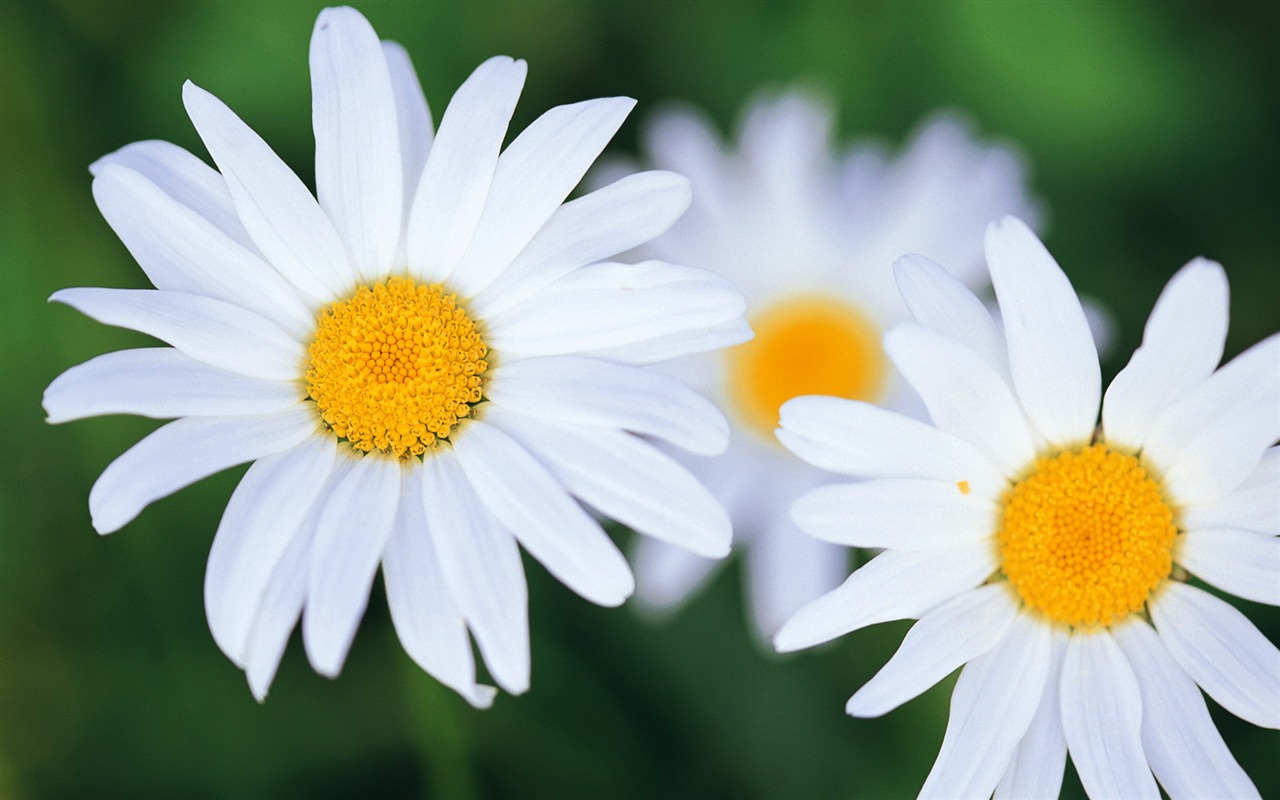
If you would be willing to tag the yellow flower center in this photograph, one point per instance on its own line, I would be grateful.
(804, 345)
(1087, 536)
(394, 367)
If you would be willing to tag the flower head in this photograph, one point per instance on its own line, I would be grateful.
(1049, 556)
(425, 361)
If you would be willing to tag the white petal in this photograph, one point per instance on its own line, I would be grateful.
(666, 575)
(626, 479)
(359, 171)
(1221, 650)
(600, 394)
(161, 383)
(992, 706)
(262, 518)
(606, 222)
(1252, 506)
(1179, 739)
(536, 508)
(351, 535)
(945, 306)
(183, 452)
(277, 210)
(893, 585)
(965, 396)
(1211, 441)
(1102, 718)
(1036, 769)
(609, 305)
(428, 622)
(944, 639)
(1239, 562)
(413, 118)
(1181, 347)
(182, 251)
(785, 571)
(865, 440)
(1052, 357)
(533, 176)
(481, 566)
(897, 513)
(459, 168)
(212, 331)
(680, 340)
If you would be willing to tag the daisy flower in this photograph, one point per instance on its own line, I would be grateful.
(810, 237)
(427, 362)
(1050, 556)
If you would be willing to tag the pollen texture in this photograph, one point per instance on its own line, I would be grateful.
(394, 367)
(1086, 537)
(804, 345)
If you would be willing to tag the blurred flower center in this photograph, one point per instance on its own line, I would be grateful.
(804, 345)
(394, 367)
(1087, 536)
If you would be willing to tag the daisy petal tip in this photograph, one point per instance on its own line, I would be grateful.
(481, 697)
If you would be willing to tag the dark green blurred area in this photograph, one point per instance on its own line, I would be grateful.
(1151, 130)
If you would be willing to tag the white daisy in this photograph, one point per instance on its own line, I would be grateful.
(1049, 556)
(810, 238)
(426, 366)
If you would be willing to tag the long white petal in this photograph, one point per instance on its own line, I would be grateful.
(992, 706)
(680, 339)
(897, 513)
(786, 570)
(1035, 771)
(481, 567)
(1239, 562)
(945, 306)
(600, 394)
(1052, 356)
(544, 518)
(284, 219)
(893, 585)
(949, 636)
(351, 536)
(1181, 347)
(183, 452)
(459, 168)
(212, 331)
(667, 575)
(430, 625)
(1252, 506)
(1221, 650)
(1179, 739)
(1102, 718)
(413, 119)
(162, 383)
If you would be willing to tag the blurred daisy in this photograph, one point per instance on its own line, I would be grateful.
(1050, 557)
(810, 238)
(426, 366)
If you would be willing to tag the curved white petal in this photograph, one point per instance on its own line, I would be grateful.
(184, 451)
(182, 251)
(481, 567)
(600, 394)
(667, 575)
(459, 168)
(1239, 562)
(1036, 769)
(413, 119)
(992, 706)
(1102, 718)
(284, 219)
(897, 513)
(1252, 506)
(950, 636)
(430, 625)
(679, 340)
(555, 530)
(161, 383)
(865, 440)
(785, 571)
(359, 170)
(1179, 739)
(1052, 357)
(893, 585)
(945, 306)
(1221, 650)
(606, 222)
(212, 331)
(351, 536)
(261, 520)
(1181, 347)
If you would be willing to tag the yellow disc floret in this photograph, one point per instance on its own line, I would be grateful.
(1087, 536)
(394, 367)
(804, 345)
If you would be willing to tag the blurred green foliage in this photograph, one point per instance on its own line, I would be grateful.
(1151, 129)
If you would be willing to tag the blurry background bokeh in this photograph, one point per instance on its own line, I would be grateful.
(1151, 130)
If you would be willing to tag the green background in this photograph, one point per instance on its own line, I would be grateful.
(1151, 130)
